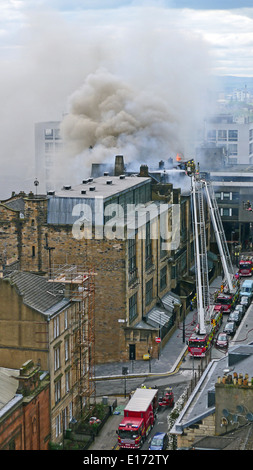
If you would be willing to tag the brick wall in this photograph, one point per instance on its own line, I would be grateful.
(26, 426)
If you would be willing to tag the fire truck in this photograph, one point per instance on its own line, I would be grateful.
(209, 317)
(200, 343)
(245, 267)
(227, 300)
(139, 417)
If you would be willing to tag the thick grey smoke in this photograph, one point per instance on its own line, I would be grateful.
(146, 102)
(128, 81)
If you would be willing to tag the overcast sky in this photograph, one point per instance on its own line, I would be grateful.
(226, 28)
(48, 48)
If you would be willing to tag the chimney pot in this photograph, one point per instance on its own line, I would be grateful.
(119, 168)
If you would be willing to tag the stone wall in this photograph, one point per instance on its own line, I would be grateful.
(205, 427)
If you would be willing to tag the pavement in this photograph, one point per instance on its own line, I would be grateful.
(169, 357)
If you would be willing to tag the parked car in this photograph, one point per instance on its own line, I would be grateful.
(235, 316)
(245, 301)
(222, 340)
(240, 308)
(159, 441)
(230, 328)
(247, 289)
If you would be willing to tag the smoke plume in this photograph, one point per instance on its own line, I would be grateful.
(146, 102)
(127, 81)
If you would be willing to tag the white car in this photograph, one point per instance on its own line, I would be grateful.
(240, 308)
(245, 301)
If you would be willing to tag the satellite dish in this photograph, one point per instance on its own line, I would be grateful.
(240, 408)
(249, 416)
(225, 412)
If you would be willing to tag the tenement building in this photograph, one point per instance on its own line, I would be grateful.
(50, 323)
(134, 233)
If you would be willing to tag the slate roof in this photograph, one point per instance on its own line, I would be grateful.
(15, 204)
(38, 294)
(8, 385)
(240, 439)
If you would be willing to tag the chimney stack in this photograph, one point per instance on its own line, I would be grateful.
(144, 171)
(119, 168)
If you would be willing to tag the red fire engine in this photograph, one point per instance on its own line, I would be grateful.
(199, 343)
(245, 268)
(139, 417)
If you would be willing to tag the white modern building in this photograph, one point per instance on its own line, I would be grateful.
(236, 138)
(48, 144)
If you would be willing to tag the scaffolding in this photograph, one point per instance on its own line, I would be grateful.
(79, 286)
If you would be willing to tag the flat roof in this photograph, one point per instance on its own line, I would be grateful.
(104, 186)
(141, 399)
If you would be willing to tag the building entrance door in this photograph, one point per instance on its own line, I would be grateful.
(132, 352)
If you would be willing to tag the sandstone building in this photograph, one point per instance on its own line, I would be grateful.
(141, 287)
(51, 323)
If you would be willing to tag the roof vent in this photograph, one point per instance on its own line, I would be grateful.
(90, 180)
(85, 181)
(51, 193)
(83, 191)
(92, 188)
(67, 187)
(106, 173)
(109, 182)
(122, 177)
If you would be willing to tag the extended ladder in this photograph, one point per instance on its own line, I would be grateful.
(201, 262)
(220, 236)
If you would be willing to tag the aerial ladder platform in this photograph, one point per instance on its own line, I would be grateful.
(199, 187)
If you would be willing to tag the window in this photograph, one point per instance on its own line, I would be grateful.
(67, 381)
(58, 425)
(65, 418)
(174, 271)
(49, 133)
(233, 135)
(66, 319)
(57, 358)
(227, 196)
(33, 251)
(57, 391)
(66, 348)
(222, 135)
(49, 147)
(225, 212)
(251, 148)
(251, 134)
(70, 411)
(57, 133)
(56, 323)
(232, 149)
(149, 291)
(148, 246)
(163, 252)
(163, 278)
(133, 307)
(132, 258)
